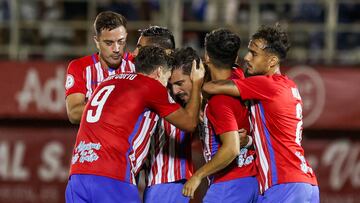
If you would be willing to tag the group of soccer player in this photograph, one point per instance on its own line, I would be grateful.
(141, 110)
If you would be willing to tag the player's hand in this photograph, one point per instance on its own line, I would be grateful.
(190, 186)
(197, 74)
(244, 138)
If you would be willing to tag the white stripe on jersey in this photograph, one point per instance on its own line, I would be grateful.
(123, 65)
(206, 150)
(262, 157)
(172, 141)
(160, 158)
(144, 153)
(136, 161)
(88, 82)
(132, 67)
(99, 71)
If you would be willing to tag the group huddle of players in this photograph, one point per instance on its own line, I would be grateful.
(141, 110)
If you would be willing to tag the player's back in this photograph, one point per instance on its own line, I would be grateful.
(114, 117)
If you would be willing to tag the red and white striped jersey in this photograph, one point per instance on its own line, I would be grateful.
(115, 128)
(170, 155)
(276, 124)
(86, 73)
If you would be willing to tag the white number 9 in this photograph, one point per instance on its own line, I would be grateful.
(98, 103)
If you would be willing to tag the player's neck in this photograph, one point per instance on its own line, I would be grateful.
(274, 71)
(220, 73)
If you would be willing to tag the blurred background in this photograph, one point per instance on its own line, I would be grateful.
(38, 38)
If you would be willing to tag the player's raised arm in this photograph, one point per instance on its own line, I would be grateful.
(187, 118)
(221, 87)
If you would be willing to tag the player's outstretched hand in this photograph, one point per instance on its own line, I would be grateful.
(190, 186)
(197, 74)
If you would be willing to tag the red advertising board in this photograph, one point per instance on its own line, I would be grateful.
(330, 95)
(34, 165)
(32, 90)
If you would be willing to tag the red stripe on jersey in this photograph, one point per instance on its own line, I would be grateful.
(168, 158)
(141, 142)
(264, 175)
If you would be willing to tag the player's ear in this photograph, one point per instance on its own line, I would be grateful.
(159, 71)
(96, 40)
(274, 60)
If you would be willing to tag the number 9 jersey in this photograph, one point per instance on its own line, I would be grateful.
(113, 138)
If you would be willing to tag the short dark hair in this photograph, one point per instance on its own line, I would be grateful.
(108, 20)
(159, 36)
(150, 58)
(183, 58)
(222, 47)
(277, 41)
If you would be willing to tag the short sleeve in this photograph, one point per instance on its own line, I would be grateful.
(160, 100)
(256, 87)
(75, 82)
(221, 112)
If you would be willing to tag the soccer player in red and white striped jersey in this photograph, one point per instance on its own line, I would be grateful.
(275, 119)
(84, 74)
(110, 143)
(170, 160)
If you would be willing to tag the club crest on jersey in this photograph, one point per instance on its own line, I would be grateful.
(69, 81)
(86, 152)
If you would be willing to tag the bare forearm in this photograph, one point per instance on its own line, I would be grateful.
(75, 113)
(193, 106)
(221, 160)
(221, 87)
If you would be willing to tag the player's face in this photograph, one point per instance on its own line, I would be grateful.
(181, 85)
(257, 60)
(142, 41)
(164, 76)
(111, 45)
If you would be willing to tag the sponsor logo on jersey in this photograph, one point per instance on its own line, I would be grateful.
(86, 152)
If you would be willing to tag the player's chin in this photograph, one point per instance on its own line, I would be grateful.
(250, 71)
(115, 63)
(185, 99)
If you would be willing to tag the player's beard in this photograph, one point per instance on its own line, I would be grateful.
(248, 74)
(180, 98)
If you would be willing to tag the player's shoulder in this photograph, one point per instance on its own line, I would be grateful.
(82, 62)
(237, 72)
(223, 100)
(128, 56)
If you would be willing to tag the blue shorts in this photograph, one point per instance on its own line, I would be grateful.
(237, 190)
(93, 188)
(291, 192)
(166, 192)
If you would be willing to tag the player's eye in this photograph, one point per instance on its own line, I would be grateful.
(121, 42)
